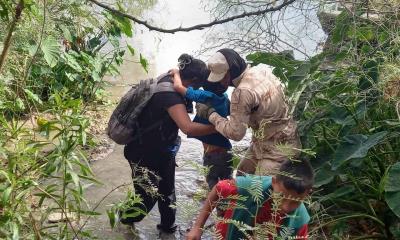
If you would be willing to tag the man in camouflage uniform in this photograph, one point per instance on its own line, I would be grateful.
(258, 102)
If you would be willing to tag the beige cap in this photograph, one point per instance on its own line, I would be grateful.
(218, 65)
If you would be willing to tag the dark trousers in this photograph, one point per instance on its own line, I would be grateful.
(161, 163)
(220, 167)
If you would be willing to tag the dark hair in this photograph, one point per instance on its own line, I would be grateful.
(191, 68)
(297, 175)
(216, 88)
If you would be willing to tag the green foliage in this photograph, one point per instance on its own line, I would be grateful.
(283, 64)
(60, 57)
(51, 51)
(295, 74)
(341, 27)
(60, 52)
(256, 190)
(392, 189)
(354, 147)
(130, 207)
(5, 10)
(346, 100)
(56, 156)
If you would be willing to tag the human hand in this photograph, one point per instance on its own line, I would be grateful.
(204, 111)
(194, 234)
(173, 71)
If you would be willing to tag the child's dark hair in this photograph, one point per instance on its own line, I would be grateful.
(297, 175)
(192, 68)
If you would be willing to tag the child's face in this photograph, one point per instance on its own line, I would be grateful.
(291, 199)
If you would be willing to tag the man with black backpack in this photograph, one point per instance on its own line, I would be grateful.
(154, 141)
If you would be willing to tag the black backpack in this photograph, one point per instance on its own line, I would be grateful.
(123, 126)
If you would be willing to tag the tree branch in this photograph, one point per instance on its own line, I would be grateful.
(195, 27)
(7, 41)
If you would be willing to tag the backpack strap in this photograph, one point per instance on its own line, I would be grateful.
(164, 87)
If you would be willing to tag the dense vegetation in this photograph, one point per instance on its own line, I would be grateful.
(347, 103)
(346, 99)
(51, 72)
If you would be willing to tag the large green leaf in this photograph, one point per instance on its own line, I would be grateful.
(279, 60)
(71, 61)
(125, 25)
(32, 96)
(392, 188)
(324, 176)
(338, 193)
(393, 200)
(32, 49)
(72, 77)
(51, 51)
(121, 24)
(355, 146)
(298, 76)
(341, 115)
(96, 77)
(393, 179)
(283, 63)
(66, 33)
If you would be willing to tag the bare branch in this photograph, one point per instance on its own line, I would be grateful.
(195, 27)
(296, 27)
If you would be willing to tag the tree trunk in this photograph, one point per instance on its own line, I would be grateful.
(7, 41)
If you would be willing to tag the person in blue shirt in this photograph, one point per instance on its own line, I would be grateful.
(217, 157)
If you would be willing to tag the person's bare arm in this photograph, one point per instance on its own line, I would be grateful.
(179, 115)
(196, 231)
(178, 86)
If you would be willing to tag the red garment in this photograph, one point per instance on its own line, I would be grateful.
(227, 189)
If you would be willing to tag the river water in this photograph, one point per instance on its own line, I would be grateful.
(162, 51)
